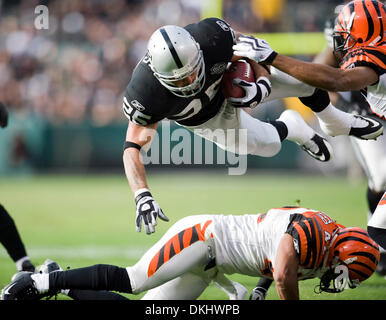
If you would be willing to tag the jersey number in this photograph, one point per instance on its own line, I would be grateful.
(325, 218)
(195, 105)
(135, 115)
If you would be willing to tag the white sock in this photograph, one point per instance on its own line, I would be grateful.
(298, 130)
(41, 281)
(334, 122)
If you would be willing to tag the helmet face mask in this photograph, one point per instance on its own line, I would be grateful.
(343, 41)
(336, 279)
(177, 61)
(352, 258)
(173, 82)
(342, 38)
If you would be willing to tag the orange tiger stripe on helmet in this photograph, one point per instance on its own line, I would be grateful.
(176, 244)
(358, 251)
(361, 23)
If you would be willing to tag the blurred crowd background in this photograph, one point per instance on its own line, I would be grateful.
(80, 66)
(74, 73)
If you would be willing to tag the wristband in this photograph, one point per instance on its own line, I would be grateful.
(271, 57)
(140, 193)
(129, 144)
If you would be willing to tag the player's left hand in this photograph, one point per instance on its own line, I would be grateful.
(148, 211)
(254, 49)
(255, 92)
(3, 115)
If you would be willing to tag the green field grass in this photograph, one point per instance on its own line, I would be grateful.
(83, 220)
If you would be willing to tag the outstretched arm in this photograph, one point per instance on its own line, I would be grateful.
(314, 74)
(148, 209)
(326, 77)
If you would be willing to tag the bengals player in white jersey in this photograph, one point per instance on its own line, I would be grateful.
(360, 48)
(285, 244)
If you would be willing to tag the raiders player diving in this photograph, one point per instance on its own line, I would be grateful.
(179, 79)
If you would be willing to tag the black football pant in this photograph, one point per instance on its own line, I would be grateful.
(9, 236)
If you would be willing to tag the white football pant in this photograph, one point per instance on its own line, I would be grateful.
(174, 268)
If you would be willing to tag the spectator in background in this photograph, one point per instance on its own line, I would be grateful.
(76, 69)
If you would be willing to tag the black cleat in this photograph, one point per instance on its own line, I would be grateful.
(318, 148)
(21, 288)
(370, 128)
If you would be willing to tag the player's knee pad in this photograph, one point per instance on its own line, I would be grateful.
(318, 101)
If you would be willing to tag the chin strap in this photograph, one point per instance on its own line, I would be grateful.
(334, 236)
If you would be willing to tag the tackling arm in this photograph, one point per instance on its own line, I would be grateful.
(285, 270)
(326, 77)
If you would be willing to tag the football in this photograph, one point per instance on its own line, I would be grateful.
(239, 69)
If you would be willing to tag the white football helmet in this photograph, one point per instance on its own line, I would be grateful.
(174, 55)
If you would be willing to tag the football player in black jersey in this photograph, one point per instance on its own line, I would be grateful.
(179, 79)
(9, 235)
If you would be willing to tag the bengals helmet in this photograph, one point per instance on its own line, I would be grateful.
(359, 23)
(353, 257)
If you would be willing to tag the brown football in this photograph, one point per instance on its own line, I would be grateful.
(238, 69)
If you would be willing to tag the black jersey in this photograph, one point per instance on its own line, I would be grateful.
(146, 101)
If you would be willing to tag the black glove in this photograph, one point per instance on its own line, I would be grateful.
(147, 210)
(3, 115)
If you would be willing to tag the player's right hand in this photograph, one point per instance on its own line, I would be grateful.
(148, 211)
(3, 115)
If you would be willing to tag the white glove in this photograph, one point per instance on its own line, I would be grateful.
(255, 92)
(254, 49)
(147, 210)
